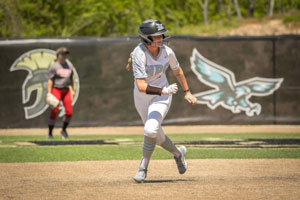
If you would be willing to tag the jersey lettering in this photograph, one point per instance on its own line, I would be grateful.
(64, 72)
(152, 70)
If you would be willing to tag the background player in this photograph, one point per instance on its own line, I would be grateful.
(152, 93)
(60, 75)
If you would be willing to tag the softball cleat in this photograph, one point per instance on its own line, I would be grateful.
(180, 161)
(140, 175)
(49, 137)
(64, 134)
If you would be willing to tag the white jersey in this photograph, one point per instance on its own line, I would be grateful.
(153, 68)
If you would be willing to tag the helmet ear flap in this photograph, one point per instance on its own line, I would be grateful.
(147, 40)
(166, 38)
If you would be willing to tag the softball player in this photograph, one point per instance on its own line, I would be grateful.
(60, 75)
(153, 94)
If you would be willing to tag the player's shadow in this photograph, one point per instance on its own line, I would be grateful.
(166, 181)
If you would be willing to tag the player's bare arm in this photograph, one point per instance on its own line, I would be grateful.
(141, 84)
(73, 91)
(50, 85)
(182, 80)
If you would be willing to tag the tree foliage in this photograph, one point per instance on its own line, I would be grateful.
(107, 18)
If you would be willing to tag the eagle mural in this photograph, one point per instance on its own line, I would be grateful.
(228, 93)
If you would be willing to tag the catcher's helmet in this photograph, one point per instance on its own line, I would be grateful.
(149, 28)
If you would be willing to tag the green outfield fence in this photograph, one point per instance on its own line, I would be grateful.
(106, 89)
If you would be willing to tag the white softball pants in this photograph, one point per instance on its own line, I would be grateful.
(152, 109)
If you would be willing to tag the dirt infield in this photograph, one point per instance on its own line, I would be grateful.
(167, 129)
(205, 179)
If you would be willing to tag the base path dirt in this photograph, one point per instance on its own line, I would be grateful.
(205, 179)
(168, 130)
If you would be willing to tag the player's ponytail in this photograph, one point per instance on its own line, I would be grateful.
(129, 62)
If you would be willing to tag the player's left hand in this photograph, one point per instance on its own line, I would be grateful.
(190, 98)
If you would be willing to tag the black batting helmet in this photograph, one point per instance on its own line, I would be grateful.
(151, 27)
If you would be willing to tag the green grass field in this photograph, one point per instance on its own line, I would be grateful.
(129, 147)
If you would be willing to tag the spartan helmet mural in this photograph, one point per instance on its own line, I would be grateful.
(36, 62)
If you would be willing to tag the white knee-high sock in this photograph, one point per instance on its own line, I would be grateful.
(169, 146)
(148, 148)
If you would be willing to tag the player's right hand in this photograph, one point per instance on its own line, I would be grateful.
(171, 89)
